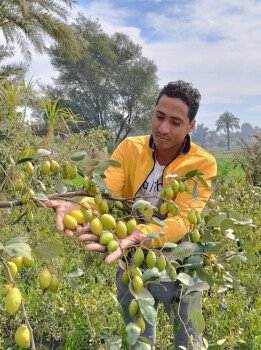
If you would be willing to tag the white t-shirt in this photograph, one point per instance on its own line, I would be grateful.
(153, 185)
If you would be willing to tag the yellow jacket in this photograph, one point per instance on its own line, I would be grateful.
(136, 155)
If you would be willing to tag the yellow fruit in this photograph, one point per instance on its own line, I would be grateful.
(125, 277)
(70, 222)
(18, 261)
(138, 257)
(108, 221)
(27, 262)
(104, 208)
(164, 208)
(151, 259)
(54, 167)
(140, 323)
(13, 301)
(73, 172)
(29, 168)
(87, 216)
(7, 289)
(86, 183)
(96, 226)
(198, 216)
(30, 216)
(118, 205)
(98, 199)
(169, 192)
(195, 236)
(44, 278)
(135, 271)
(161, 263)
(186, 186)
(31, 192)
(106, 237)
(175, 186)
(137, 284)
(112, 245)
(192, 217)
(77, 215)
(24, 198)
(172, 273)
(131, 225)
(133, 308)
(12, 268)
(45, 168)
(173, 209)
(22, 336)
(181, 187)
(211, 203)
(18, 185)
(53, 287)
(66, 169)
(162, 193)
(120, 229)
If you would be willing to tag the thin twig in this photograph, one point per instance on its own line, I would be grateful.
(28, 325)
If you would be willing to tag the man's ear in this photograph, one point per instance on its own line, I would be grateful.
(191, 125)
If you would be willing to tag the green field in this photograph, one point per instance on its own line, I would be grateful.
(228, 163)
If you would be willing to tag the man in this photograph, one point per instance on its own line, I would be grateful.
(146, 160)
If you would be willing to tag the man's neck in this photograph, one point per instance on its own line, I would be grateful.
(164, 157)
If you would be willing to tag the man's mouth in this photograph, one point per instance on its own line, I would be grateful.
(162, 137)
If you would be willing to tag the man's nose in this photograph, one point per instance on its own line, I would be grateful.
(164, 127)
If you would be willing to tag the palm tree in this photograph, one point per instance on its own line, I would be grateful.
(227, 121)
(32, 21)
(13, 71)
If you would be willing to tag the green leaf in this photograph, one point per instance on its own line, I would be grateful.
(1, 246)
(194, 304)
(235, 215)
(185, 279)
(133, 333)
(243, 222)
(158, 222)
(75, 273)
(139, 204)
(103, 165)
(199, 287)
(42, 153)
(195, 191)
(98, 180)
(253, 259)
(216, 220)
(151, 275)
(198, 321)
(184, 249)
(114, 163)
(88, 260)
(40, 196)
(79, 155)
(25, 155)
(18, 249)
(226, 224)
(192, 173)
(148, 311)
(48, 250)
(155, 235)
(203, 182)
(17, 240)
(42, 185)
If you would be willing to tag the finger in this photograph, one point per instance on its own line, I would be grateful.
(95, 247)
(113, 256)
(69, 233)
(79, 229)
(88, 237)
(48, 203)
(85, 228)
(59, 219)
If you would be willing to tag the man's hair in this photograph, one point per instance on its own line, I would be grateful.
(184, 91)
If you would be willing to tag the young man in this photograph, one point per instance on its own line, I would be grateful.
(146, 160)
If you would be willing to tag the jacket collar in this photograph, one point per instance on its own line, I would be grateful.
(186, 144)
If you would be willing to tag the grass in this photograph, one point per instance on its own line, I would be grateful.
(227, 164)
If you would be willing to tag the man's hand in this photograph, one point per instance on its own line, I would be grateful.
(135, 238)
(62, 208)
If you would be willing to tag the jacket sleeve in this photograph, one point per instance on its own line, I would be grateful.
(178, 226)
(115, 177)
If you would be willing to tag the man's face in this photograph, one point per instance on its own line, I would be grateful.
(170, 123)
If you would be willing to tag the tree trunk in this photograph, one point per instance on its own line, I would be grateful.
(228, 139)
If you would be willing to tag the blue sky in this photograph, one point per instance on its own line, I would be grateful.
(216, 45)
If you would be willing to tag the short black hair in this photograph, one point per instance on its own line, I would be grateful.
(186, 92)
